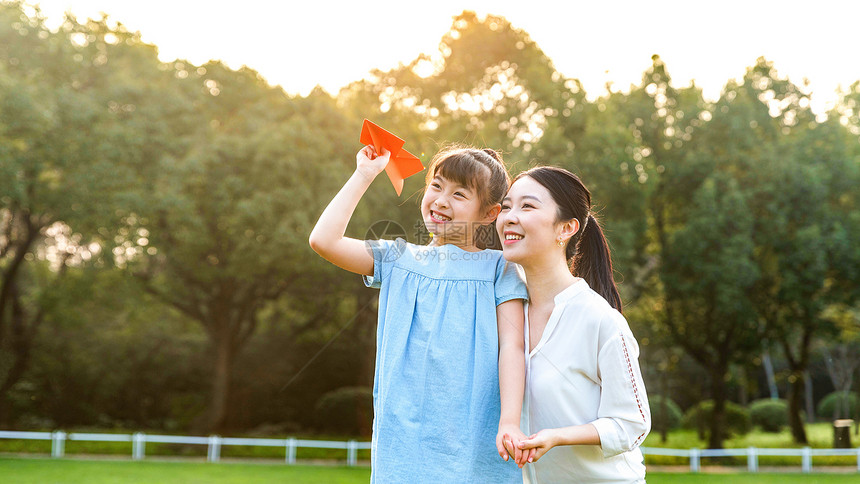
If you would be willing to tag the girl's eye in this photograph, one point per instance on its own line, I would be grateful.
(460, 194)
(435, 185)
(505, 207)
(528, 205)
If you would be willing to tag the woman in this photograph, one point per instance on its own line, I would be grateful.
(584, 407)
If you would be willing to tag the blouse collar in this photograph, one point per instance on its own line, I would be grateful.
(570, 291)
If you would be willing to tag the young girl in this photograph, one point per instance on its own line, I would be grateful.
(585, 405)
(449, 362)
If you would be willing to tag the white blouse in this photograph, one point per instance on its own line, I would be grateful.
(584, 370)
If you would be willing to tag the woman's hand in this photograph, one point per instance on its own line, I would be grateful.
(369, 163)
(538, 444)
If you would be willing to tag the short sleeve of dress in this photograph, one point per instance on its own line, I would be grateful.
(384, 253)
(510, 282)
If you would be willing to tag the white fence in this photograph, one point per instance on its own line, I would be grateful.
(752, 454)
(214, 443)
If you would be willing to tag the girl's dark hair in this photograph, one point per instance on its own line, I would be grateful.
(587, 251)
(482, 170)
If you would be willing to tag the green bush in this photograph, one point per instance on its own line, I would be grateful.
(699, 417)
(769, 414)
(665, 414)
(839, 405)
(347, 410)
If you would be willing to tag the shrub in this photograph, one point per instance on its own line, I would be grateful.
(347, 410)
(839, 405)
(769, 414)
(699, 417)
(665, 414)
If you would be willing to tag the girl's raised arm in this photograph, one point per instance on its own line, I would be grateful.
(327, 238)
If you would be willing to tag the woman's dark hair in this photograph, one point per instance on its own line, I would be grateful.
(466, 166)
(587, 251)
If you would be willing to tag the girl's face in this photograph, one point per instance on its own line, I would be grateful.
(452, 212)
(527, 224)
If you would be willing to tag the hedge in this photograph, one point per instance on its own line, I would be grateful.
(769, 414)
(664, 413)
(833, 406)
(347, 410)
(700, 416)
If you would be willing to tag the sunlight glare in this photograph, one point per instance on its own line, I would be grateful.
(331, 44)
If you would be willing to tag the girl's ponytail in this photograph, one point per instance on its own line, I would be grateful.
(592, 262)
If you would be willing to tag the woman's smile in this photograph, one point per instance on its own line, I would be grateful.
(511, 237)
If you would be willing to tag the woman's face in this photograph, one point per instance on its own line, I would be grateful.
(527, 224)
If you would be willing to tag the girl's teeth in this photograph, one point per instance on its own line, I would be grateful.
(513, 237)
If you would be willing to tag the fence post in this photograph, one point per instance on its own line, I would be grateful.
(291, 451)
(752, 459)
(351, 453)
(214, 448)
(858, 459)
(694, 460)
(138, 446)
(58, 444)
(807, 460)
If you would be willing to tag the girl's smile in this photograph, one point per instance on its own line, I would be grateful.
(439, 218)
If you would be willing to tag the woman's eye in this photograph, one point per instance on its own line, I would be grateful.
(528, 205)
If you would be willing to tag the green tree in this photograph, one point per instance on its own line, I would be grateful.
(707, 272)
(490, 85)
(801, 200)
(114, 358)
(69, 148)
(224, 227)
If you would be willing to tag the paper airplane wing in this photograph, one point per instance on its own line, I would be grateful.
(402, 163)
(379, 138)
(401, 167)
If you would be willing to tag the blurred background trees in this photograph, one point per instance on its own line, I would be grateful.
(155, 272)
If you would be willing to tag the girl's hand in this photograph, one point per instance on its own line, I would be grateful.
(507, 443)
(369, 163)
(539, 444)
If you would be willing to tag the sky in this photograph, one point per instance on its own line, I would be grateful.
(301, 44)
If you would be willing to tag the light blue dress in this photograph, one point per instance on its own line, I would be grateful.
(436, 390)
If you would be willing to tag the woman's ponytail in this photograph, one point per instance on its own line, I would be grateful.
(592, 261)
(587, 251)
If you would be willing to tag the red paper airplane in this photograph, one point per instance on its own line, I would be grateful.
(402, 164)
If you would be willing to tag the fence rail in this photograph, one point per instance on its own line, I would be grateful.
(214, 443)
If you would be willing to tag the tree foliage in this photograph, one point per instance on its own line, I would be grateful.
(154, 218)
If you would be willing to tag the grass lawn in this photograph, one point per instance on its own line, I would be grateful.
(750, 478)
(73, 471)
(69, 471)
